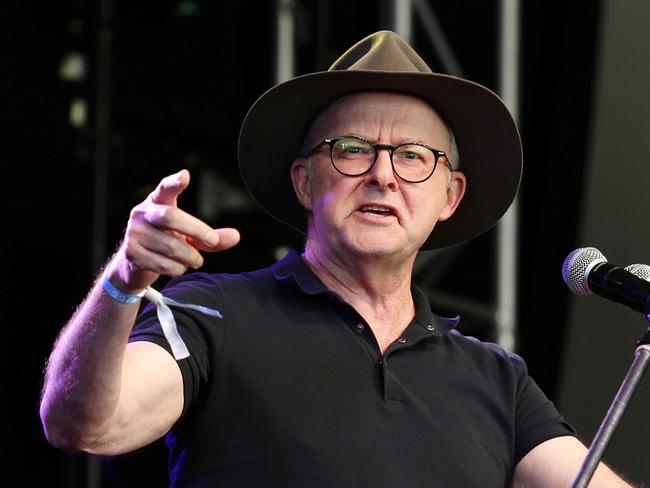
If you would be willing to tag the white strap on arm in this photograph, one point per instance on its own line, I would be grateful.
(168, 323)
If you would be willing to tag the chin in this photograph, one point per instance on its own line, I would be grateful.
(367, 247)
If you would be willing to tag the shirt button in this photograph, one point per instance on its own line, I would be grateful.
(360, 327)
(402, 340)
(431, 327)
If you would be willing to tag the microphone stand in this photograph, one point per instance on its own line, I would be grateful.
(616, 409)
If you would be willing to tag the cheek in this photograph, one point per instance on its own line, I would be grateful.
(330, 197)
(326, 203)
(426, 207)
(323, 203)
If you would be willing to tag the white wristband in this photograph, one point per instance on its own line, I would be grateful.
(118, 295)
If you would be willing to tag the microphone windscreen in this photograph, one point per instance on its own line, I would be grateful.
(577, 266)
(639, 270)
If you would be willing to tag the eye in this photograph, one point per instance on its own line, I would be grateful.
(350, 147)
(410, 154)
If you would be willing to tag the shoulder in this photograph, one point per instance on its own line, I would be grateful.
(487, 351)
(201, 283)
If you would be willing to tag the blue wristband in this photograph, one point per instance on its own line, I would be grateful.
(119, 295)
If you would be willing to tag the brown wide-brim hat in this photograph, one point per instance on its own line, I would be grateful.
(488, 141)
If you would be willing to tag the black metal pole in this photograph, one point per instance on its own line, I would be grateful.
(615, 412)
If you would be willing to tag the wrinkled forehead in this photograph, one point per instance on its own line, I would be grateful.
(372, 107)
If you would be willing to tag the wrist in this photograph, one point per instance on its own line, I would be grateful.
(119, 295)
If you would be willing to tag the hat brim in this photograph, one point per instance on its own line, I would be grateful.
(489, 144)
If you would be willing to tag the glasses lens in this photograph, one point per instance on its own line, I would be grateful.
(352, 156)
(413, 162)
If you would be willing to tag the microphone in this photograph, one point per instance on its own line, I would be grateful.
(586, 271)
(640, 270)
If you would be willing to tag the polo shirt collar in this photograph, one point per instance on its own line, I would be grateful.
(293, 269)
(425, 317)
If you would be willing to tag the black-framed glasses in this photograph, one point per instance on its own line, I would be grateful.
(354, 156)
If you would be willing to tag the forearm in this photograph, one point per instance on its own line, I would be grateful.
(557, 462)
(83, 375)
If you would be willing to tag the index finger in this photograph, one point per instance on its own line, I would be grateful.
(171, 218)
(170, 187)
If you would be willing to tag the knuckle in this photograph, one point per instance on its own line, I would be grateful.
(167, 182)
(195, 261)
(170, 246)
(132, 255)
(163, 215)
(138, 210)
(172, 269)
(131, 243)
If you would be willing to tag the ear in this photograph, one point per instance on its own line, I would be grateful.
(455, 192)
(301, 183)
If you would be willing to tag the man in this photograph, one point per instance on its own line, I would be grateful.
(328, 369)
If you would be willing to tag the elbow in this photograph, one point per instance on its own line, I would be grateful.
(57, 439)
(58, 432)
(70, 432)
(64, 431)
(70, 439)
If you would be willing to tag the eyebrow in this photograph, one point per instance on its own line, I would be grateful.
(407, 140)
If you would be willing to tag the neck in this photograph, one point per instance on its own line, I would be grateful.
(378, 288)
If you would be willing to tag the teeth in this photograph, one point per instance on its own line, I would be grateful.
(383, 211)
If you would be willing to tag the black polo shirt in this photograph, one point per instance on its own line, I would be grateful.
(289, 389)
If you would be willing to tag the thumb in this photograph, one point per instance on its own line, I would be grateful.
(170, 187)
(222, 239)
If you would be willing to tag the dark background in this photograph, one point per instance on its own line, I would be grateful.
(183, 75)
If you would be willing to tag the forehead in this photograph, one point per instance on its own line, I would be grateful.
(378, 114)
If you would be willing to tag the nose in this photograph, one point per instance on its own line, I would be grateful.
(381, 174)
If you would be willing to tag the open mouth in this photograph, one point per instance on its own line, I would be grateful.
(374, 210)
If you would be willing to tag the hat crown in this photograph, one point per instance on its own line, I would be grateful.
(381, 51)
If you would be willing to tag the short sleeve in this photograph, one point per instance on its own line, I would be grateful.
(199, 331)
(536, 418)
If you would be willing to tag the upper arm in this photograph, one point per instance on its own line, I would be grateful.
(556, 462)
(151, 399)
